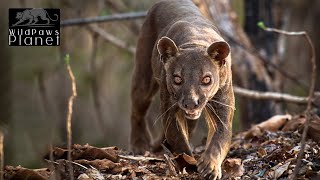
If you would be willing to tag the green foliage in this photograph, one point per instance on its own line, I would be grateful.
(67, 59)
(261, 25)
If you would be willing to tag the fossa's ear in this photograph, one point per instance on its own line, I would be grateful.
(219, 51)
(167, 48)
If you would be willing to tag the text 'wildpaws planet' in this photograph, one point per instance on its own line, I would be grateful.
(34, 27)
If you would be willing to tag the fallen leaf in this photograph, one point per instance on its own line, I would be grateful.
(100, 164)
(254, 131)
(94, 174)
(261, 152)
(27, 174)
(273, 124)
(89, 152)
(84, 176)
(295, 124)
(232, 168)
(57, 153)
(314, 129)
(280, 169)
(184, 160)
(295, 150)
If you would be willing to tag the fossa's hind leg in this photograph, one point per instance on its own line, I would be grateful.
(144, 86)
(141, 98)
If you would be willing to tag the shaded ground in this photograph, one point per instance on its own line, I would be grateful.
(267, 151)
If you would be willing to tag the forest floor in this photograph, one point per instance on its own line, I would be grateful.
(268, 150)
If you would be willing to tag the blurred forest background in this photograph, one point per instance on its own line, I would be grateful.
(35, 85)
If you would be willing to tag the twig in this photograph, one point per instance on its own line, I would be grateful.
(1, 156)
(270, 96)
(112, 39)
(51, 161)
(99, 19)
(78, 164)
(171, 165)
(266, 62)
(166, 150)
(311, 90)
(140, 158)
(69, 115)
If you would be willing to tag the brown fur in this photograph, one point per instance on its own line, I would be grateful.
(183, 55)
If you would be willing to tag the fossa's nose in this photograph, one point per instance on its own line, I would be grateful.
(191, 104)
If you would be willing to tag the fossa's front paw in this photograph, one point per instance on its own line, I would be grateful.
(139, 143)
(209, 167)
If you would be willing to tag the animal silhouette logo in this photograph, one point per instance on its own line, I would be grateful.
(34, 27)
(30, 17)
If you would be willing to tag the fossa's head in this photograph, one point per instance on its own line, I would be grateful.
(192, 74)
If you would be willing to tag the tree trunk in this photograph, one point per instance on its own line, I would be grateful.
(248, 70)
(256, 11)
(5, 79)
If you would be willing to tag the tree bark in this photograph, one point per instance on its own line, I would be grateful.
(248, 71)
(256, 11)
(5, 79)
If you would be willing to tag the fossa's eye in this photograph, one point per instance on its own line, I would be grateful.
(177, 80)
(206, 80)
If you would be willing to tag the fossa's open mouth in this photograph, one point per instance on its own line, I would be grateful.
(192, 114)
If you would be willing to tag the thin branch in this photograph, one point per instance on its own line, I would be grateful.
(80, 165)
(301, 33)
(266, 62)
(99, 19)
(311, 91)
(112, 39)
(269, 96)
(139, 158)
(69, 115)
(172, 169)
